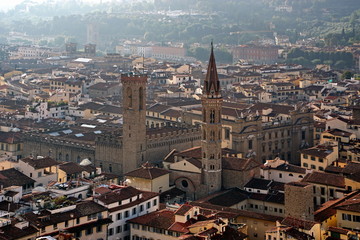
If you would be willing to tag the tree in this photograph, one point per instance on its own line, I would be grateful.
(347, 75)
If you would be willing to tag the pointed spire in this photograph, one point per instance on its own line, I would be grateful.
(211, 83)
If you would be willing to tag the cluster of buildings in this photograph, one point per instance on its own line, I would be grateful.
(132, 148)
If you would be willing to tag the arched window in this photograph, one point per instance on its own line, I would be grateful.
(141, 98)
(78, 159)
(212, 116)
(60, 156)
(129, 97)
(67, 157)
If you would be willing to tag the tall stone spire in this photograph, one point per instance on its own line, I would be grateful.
(211, 83)
(211, 130)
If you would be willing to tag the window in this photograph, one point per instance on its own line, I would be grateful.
(321, 160)
(331, 193)
(312, 158)
(126, 227)
(313, 166)
(322, 191)
(141, 208)
(129, 97)
(346, 216)
(134, 211)
(118, 216)
(280, 175)
(184, 183)
(305, 164)
(154, 202)
(99, 228)
(127, 214)
(250, 144)
(305, 156)
(227, 133)
(78, 221)
(141, 98)
(55, 226)
(303, 135)
(39, 174)
(89, 231)
(78, 234)
(118, 229)
(148, 205)
(66, 223)
(111, 232)
(356, 218)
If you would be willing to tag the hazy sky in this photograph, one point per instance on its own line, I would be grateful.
(6, 4)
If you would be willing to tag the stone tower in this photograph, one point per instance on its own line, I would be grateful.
(211, 129)
(134, 123)
(299, 200)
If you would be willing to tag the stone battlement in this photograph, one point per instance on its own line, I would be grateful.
(170, 135)
(53, 140)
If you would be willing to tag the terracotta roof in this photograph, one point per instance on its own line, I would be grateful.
(229, 198)
(235, 212)
(158, 108)
(286, 167)
(11, 232)
(13, 177)
(183, 209)
(103, 86)
(38, 163)
(10, 137)
(118, 195)
(338, 132)
(277, 108)
(162, 219)
(264, 184)
(318, 151)
(71, 168)
(338, 230)
(45, 218)
(239, 164)
(298, 223)
(147, 172)
(352, 204)
(296, 234)
(325, 179)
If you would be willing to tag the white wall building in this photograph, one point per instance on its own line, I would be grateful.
(124, 203)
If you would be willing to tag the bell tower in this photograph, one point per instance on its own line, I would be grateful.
(211, 128)
(134, 120)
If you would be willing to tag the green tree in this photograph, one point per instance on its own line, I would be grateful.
(347, 75)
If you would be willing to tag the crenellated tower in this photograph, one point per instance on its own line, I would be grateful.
(134, 121)
(211, 128)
